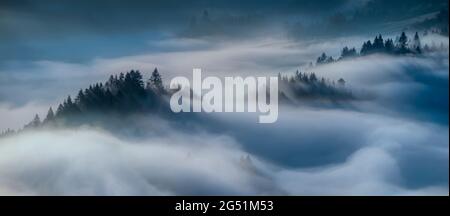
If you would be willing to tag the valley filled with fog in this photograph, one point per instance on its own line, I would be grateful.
(386, 133)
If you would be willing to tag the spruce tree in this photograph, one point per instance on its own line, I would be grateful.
(155, 81)
(36, 122)
(403, 43)
(389, 46)
(50, 115)
(417, 44)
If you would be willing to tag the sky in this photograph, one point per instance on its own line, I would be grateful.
(45, 30)
(393, 142)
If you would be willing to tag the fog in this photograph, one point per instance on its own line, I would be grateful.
(49, 82)
(410, 87)
(307, 152)
(392, 138)
(92, 162)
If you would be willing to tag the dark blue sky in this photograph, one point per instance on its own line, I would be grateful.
(47, 29)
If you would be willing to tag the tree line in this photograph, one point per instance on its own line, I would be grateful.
(401, 46)
(310, 86)
(125, 93)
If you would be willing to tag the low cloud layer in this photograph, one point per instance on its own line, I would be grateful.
(307, 152)
(410, 87)
(91, 162)
(392, 140)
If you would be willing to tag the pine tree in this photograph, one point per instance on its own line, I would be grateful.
(403, 43)
(121, 77)
(322, 59)
(378, 43)
(313, 78)
(348, 53)
(69, 105)
(60, 111)
(329, 59)
(344, 52)
(389, 46)
(366, 48)
(36, 122)
(80, 100)
(417, 44)
(155, 81)
(50, 115)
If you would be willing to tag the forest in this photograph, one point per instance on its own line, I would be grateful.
(128, 93)
(402, 45)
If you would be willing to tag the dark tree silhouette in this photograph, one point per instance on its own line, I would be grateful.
(417, 44)
(389, 46)
(50, 116)
(322, 59)
(309, 86)
(155, 81)
(122, 94)
(36, 122)
(379, 45)
(60, 110)
(348, 53)
(403, 43)
(366, 48)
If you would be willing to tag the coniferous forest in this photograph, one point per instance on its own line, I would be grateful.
(402, 45)
(224, 98)
(129, 93)
(122, 94)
